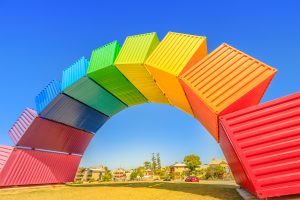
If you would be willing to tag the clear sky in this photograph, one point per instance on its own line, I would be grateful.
(38, 40)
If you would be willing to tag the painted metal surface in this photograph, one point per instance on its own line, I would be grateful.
(130, 61)
(102, 70)
(22, 124)
(266, 142)
(260, 142)
(224, 81)
(175, 54)
(5, 152)
(77, 85)
(30, 167)
(47, 95)
(73, 73)
(34, 132)
(69, 111)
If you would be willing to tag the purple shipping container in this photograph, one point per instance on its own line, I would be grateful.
(35, 132)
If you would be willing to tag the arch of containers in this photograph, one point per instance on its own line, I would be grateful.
(222, 90)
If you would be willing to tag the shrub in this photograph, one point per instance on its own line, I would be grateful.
(106, 177)
(91, 180)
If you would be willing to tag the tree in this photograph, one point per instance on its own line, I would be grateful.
(140, 171)
(133, 175)
(106, 177)
(215, 172)
(154, 164)
(219, 171)
(192, 161)
(158, 161)
(164, 173)
(147, 165)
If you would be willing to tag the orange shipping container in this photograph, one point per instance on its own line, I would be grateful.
(224, 81)
(176, 53)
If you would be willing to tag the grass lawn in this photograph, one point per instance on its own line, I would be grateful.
(127, 191)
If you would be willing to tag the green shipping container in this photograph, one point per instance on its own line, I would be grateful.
(104, 72)
(77, 85)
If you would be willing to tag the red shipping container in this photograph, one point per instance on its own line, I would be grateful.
(31, 167)
(262, 146)
(35, 132)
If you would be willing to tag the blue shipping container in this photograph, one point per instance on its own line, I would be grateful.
(47, 95)
(54, 105)
(74, 73)
(69, 111)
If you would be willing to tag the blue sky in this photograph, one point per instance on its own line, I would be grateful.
(38, 40)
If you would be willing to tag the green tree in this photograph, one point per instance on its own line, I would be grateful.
(219, 172)
(164, 173)
(106, 177)
(192, 161)
(140, 171)
(215, 172)
(133, 175)
(154, 164)
(147, 165)
(158, 161)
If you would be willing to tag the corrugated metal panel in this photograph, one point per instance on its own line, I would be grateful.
(240, 175)
(137, 48)
(266, 139)
(130, 62)
(5, 152)
(73, 73)
(77, 85)
(225, 81)
(68, 111)
(35, 132)
(47, 95)
(102, 70)
(175, 54)
(22, 124)
(30, 167)
(177, 51)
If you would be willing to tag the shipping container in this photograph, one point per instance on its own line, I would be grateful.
(34, 132)
(5, 152)
(77, 85)
(130, 61)
(103, 71)
(264, 141)
(69, 111)
(175, 54)
(224, 81)
(31, 167)
(47, 95)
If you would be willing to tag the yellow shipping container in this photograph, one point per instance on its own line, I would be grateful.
(130, 62)
(175, 54)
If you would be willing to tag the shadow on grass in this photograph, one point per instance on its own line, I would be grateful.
(219, 191)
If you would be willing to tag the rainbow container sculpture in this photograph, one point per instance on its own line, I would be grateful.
(222, 90)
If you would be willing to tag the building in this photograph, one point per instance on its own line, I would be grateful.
(178, 168)
(90, 174)
(79, 174)
(222, 162)
(119, 175)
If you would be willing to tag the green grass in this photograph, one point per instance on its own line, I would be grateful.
(127, 191)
